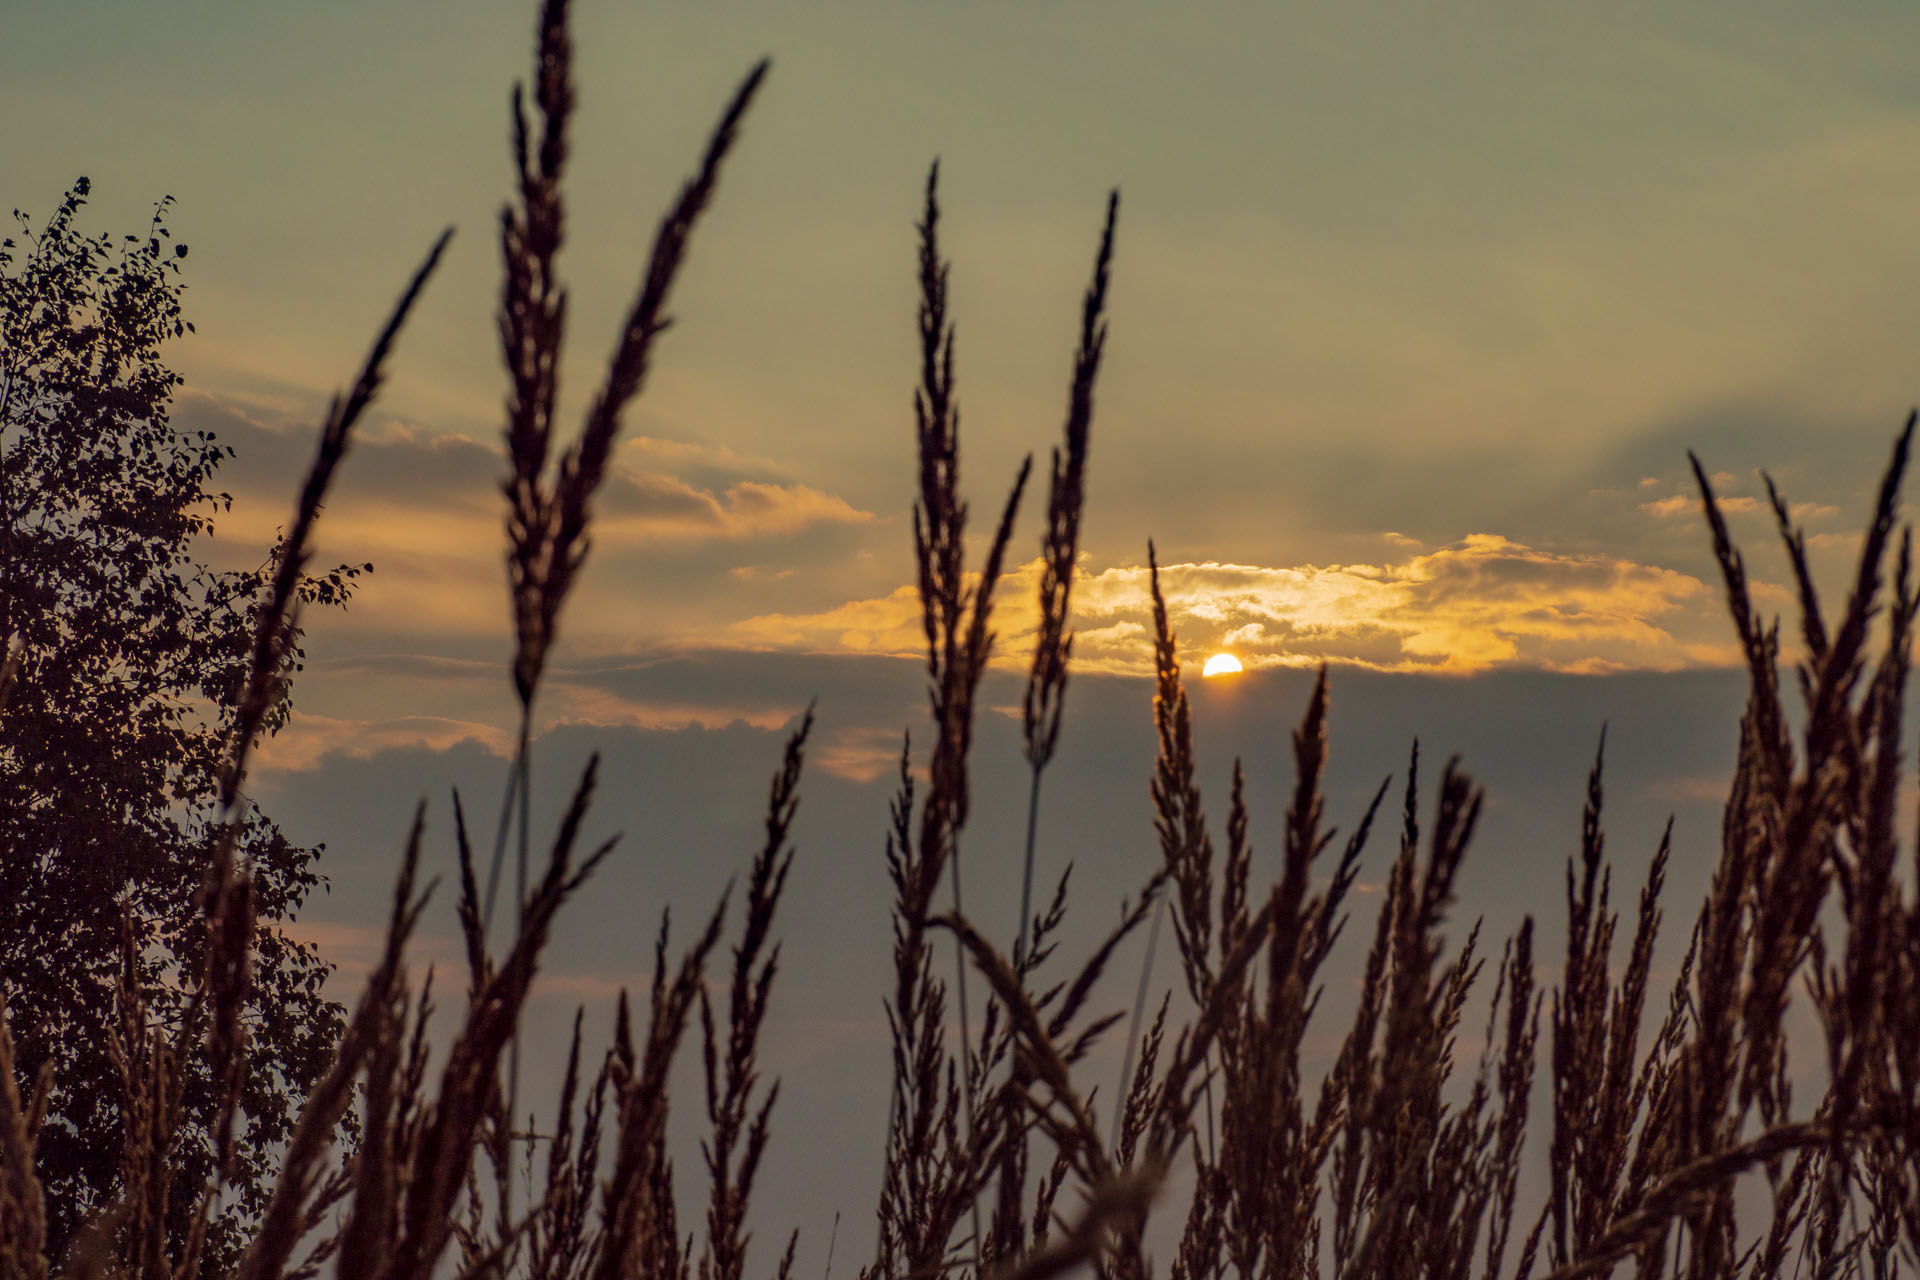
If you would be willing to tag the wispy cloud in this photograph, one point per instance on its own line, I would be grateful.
(647, 506)
(1688, 504)
(353, 949)
(584, 703)
(309, 739)
(859, 754)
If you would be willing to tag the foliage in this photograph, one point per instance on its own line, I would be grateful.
(131, 653)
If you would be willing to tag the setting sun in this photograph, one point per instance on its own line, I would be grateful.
(1221, 664)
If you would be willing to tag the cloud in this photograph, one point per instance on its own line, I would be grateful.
(425, 508)
(309, 739)
(1484, 602)
(570, 698)
(889, 625)
(1687, 504)
(860, 754)
(709, 465)
(648, 506)
(586, 704)
(656, 488)
(353, 948)
(587, 988)
(1689, 787)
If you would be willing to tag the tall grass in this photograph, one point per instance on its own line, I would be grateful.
(1405, 1157)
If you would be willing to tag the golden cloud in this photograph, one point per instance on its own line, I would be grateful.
(888, 625)
(1484, 602)
(1688, 503)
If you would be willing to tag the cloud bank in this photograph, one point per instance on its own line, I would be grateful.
(1484, 602)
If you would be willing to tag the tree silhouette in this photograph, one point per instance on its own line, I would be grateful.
(130, 655)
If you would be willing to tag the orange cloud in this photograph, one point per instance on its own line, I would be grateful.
(889, 625)
(1481, 603)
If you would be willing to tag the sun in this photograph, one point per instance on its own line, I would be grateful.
(1221, 664)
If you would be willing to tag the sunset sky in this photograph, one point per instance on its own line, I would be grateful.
(1416, 311)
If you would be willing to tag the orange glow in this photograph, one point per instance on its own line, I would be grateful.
(1221, 664)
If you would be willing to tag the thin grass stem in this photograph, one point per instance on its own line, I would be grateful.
(966, 1043)
(1133, 1023)
(519, 925)
(1026, 878)
(516, 785)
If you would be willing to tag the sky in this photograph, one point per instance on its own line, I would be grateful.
(1416, 312)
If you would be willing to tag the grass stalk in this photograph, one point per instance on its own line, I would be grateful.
(1026, 872)
(969, 1070)
(1135, 1019)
